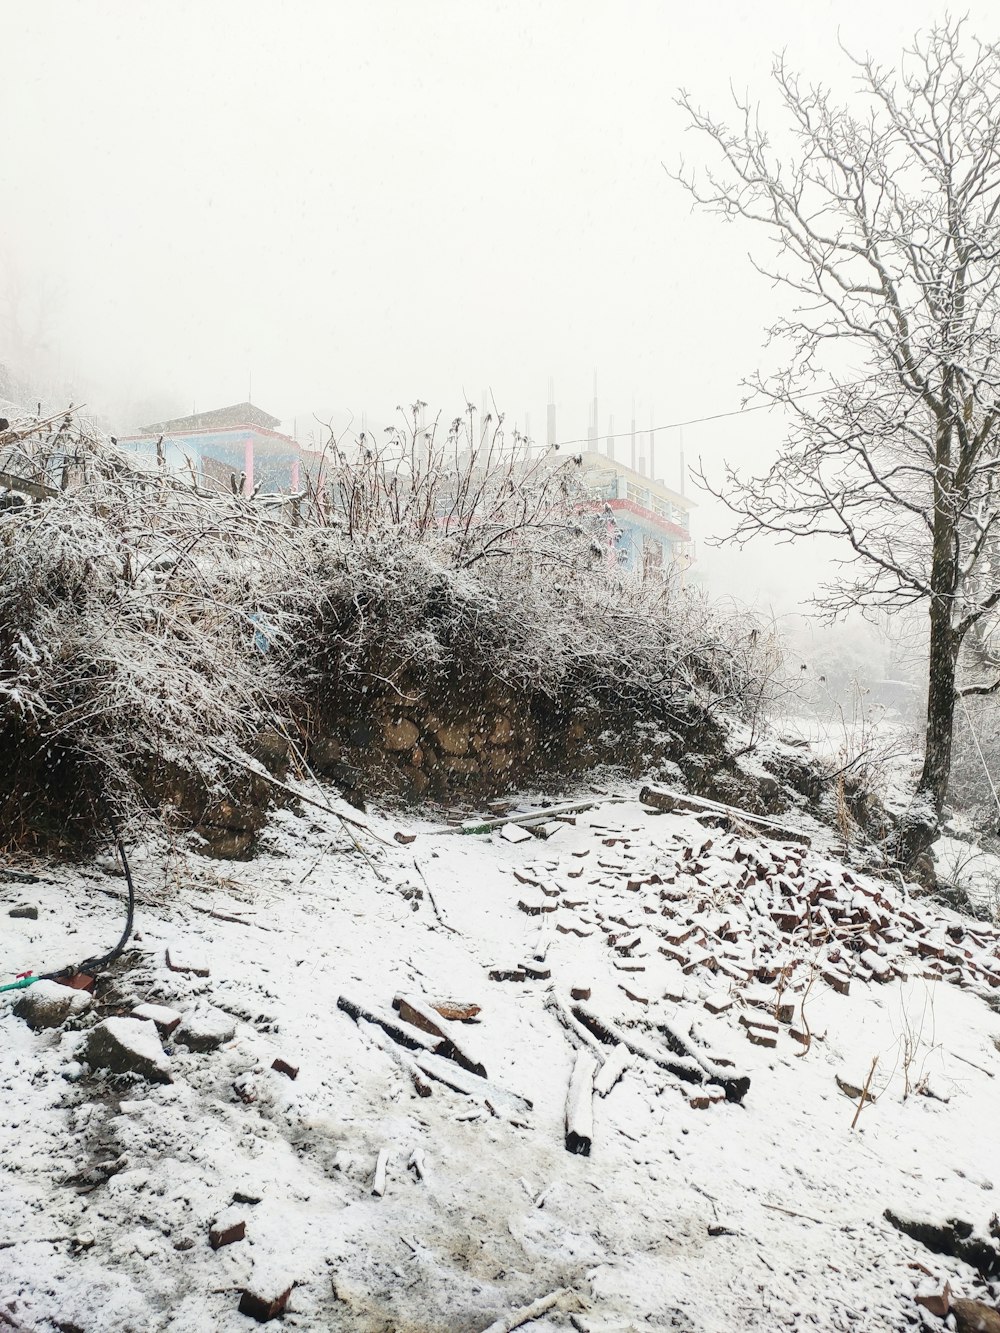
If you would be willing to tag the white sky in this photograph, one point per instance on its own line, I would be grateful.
(362, 204)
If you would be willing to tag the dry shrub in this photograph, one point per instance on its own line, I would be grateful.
(146, 620)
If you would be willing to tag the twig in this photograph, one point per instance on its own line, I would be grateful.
(299, 796)
(777, 1208)
(33, 1240)
(864, 1092)
(987, 1072)
(430, 897)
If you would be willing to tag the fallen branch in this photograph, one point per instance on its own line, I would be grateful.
(777, 1208)
(668, 800)
(430, 898)
(518, 1317)
(525, 821)
(260, 772)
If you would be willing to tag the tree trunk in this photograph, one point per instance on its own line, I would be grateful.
(920, 824)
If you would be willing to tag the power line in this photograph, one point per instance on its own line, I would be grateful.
(721, 416)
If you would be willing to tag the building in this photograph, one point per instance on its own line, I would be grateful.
(652, 521)
(240, 442)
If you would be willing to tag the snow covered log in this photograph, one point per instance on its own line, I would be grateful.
(405, 1062)
(684, 1063)
(502, 1101)
(412, 1038)
(611, 1071)
(580, 1105)
(415, 1012)
(381, 1164)
(668, 800)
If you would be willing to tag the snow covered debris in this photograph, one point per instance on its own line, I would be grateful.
(127, 1046)
(46, 1004)
(695, 1211)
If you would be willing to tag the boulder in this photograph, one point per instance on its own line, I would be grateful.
(206, 1029)
(453, 738)
(400, 734)
(47, 1004)
(975, 1317)
(128, 1046)
(166, 1019)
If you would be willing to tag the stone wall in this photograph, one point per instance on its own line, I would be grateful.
(409, 745)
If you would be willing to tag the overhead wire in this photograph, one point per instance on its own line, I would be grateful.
(715, 416)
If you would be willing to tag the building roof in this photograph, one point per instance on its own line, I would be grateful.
(219, 418)
(596, 462)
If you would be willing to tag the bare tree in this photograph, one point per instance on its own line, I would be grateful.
(885, 219)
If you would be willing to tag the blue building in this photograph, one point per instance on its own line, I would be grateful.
(240, 442)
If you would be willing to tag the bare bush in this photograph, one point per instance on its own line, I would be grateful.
(145, 621)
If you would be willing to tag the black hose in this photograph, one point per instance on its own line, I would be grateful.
(91, 966)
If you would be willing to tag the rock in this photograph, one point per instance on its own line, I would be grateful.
(227, 844)
(975, 1317)
(853, 1090)
(127, 1046)
(400, 734)
(935, 1302)
(954, 1237)
(498, 761)
(455, 1010)
(453, 738)
(229, 1227)
(206, 1030)
(24, 913)
(265, 1296)
(285, 1067)
(178, 961)
(165, 1019)
(273, 750)
(46, 1004)
(502, 732)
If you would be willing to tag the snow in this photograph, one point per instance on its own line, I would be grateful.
(111, 1185)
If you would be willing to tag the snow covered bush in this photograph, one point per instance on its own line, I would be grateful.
(127, 605)
(150, 625)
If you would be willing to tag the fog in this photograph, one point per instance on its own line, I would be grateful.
(339, 208)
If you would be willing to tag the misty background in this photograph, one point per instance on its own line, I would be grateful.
(335, 209)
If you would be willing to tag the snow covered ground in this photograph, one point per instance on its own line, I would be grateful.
(759, 1213)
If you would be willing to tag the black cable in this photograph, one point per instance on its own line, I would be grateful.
(91, 966)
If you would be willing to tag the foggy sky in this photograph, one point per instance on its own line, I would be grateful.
(362, 204)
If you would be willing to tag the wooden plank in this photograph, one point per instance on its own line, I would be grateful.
(22, 486)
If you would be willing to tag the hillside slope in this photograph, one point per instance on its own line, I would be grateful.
(700, 946)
